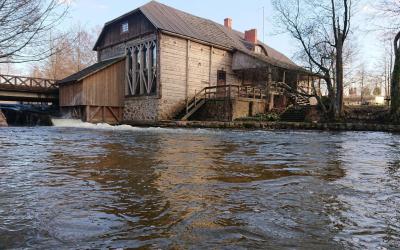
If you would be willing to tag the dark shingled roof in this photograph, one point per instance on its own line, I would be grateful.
(90, 70)
(166, 18)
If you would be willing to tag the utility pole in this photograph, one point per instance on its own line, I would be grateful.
(263, 8)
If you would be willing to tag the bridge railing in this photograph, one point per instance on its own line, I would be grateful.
(22, 82)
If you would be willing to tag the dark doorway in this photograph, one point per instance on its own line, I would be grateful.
(221, 81)
(251, 108)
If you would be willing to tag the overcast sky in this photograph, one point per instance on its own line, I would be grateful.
(246, 14)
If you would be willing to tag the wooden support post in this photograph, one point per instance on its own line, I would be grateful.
(284, 77)
(269, 96)
(312, 84)
(87, 115)
(319, 87)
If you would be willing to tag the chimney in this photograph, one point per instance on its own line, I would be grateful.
(251, 36)
(228, 23)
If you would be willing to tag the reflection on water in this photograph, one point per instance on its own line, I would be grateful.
(167, 188)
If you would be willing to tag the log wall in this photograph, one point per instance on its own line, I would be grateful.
(187, 67)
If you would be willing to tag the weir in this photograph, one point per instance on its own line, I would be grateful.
(27, 115)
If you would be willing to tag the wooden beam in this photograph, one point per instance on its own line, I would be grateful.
(268, 87)
(210, 72)
(284, 77)
(113, 113)
(187, 72)
(94, 113)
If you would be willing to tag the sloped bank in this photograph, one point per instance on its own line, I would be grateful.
(3, 120)
(276, 125)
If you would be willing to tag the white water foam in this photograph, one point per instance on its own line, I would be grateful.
(76, 123)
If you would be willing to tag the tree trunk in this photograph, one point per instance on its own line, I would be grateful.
(395, 84)
(339, 77)
(331, 97)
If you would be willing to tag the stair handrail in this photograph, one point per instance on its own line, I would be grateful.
(193, 101)
(231, 90)
(300, 93)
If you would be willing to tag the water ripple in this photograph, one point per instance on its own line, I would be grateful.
(125, 187)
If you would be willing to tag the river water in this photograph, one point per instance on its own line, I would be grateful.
(88, 186)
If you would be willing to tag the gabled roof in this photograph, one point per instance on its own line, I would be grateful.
(90, 70)
(166, 18)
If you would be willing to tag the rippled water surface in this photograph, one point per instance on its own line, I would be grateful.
(174, 188)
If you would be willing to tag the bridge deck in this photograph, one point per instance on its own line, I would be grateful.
(29, 89)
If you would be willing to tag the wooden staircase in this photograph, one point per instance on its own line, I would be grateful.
(194, 104)
(300, 97)
(220, 92)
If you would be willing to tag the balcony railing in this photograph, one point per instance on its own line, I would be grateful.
(233, 91)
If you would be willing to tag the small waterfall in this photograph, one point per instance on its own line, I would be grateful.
(66, 122)
(76, 123)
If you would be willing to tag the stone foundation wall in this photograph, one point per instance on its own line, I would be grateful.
(214, 110)
(222, 110)
(3, 120)
(246, 108)
(169, 109)
(141, 109)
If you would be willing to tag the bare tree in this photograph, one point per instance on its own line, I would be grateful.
(386, 63)
(391, 11)
(70, 53)
(321, 28)
(23, 24)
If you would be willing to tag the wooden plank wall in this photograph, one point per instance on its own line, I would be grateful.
(187, 67)
(106, 87)
(71, 95)
(138, 25)
(102, 114)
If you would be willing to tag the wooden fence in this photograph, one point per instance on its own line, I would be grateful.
(23, 83)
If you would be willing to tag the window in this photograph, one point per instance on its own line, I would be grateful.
(125, 27)
(142, 69)
(259, 50)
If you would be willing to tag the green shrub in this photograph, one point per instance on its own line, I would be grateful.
(270, 117)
